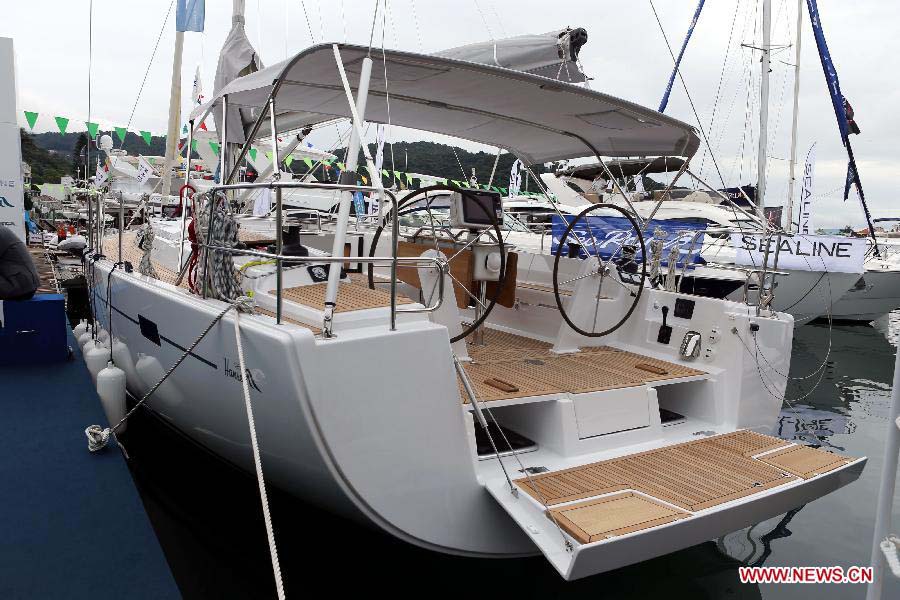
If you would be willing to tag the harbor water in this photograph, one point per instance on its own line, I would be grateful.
(209, 521)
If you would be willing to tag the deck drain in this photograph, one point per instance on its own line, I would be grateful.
(534, 361)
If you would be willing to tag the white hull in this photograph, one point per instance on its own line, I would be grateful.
(876, 294)
(389, 443)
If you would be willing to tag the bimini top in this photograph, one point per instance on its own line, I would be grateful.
(536, 118)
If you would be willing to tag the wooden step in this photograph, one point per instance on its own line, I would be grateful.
(693, 475)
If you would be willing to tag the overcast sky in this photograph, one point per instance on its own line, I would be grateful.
(626, 56)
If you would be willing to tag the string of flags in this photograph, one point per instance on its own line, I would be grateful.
(62, 123)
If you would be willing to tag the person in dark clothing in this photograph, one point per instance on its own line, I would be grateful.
(19, 278)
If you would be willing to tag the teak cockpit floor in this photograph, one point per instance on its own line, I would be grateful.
(509, 366)
(692, 476)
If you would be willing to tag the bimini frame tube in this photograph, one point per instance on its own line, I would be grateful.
(348, 177)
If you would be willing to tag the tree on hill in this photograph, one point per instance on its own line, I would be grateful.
(46, 167)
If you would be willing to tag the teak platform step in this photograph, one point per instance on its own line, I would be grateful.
(692, 476)
(350, 297)
(613, 515)
(531, 369)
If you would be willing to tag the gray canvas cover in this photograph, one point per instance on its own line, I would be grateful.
(236, 59)
(536, 118)
(553, 54)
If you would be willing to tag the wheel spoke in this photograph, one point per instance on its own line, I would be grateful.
(466, 290)
(469, 243)
(579, 278)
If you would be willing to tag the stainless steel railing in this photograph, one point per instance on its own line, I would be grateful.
(394, 261)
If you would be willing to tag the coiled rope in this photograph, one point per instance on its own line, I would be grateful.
(214, 267)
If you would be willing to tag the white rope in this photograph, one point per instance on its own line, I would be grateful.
(264, 499)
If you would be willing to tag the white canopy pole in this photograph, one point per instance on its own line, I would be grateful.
(764, 107)
(340, 234)
(174, 115)
(792, 179)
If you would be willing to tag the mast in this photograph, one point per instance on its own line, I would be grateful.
(763, 106)
(174, 115)
(792, 179)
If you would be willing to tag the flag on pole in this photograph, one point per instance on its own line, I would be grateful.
(190, 15)
(102, 175)
(515, 178)
(851, 179)
(144, 170)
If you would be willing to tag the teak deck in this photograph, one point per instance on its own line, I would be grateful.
(350, 297)
(692, 476)
(532, 369)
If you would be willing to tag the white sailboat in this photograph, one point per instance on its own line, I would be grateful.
(619, 425)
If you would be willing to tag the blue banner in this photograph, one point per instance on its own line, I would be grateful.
(606, 235)
(687, 38)
(831, 78)
(190, 15)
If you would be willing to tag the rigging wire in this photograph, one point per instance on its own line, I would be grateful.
(312, 36)
(715, 106)
(484, 20)
(684, 85)
(415, 16)
(147, 71)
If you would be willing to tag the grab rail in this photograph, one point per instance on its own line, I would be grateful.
(280, 259)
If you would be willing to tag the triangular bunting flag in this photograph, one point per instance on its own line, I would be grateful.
(193, 145)
(309, 163)
(341, 166)
(92, 128)
(269, 155)
(203, 126)
(385, 173)
(409, 179)
(364, 180)
(289, 160)
(121, 131)
(147, 136)
(184, 129)
(253, 152)
(31, 117)
(397, 174)
(215, 147)
(62, 123)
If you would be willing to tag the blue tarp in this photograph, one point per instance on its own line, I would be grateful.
(605, 235)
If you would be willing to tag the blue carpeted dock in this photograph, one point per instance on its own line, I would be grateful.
(72, 522)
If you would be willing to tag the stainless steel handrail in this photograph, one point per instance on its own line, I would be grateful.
(438, 262)
(279, 258)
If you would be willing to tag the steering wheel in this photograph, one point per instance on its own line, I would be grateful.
(454, 255)
(604, 269)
